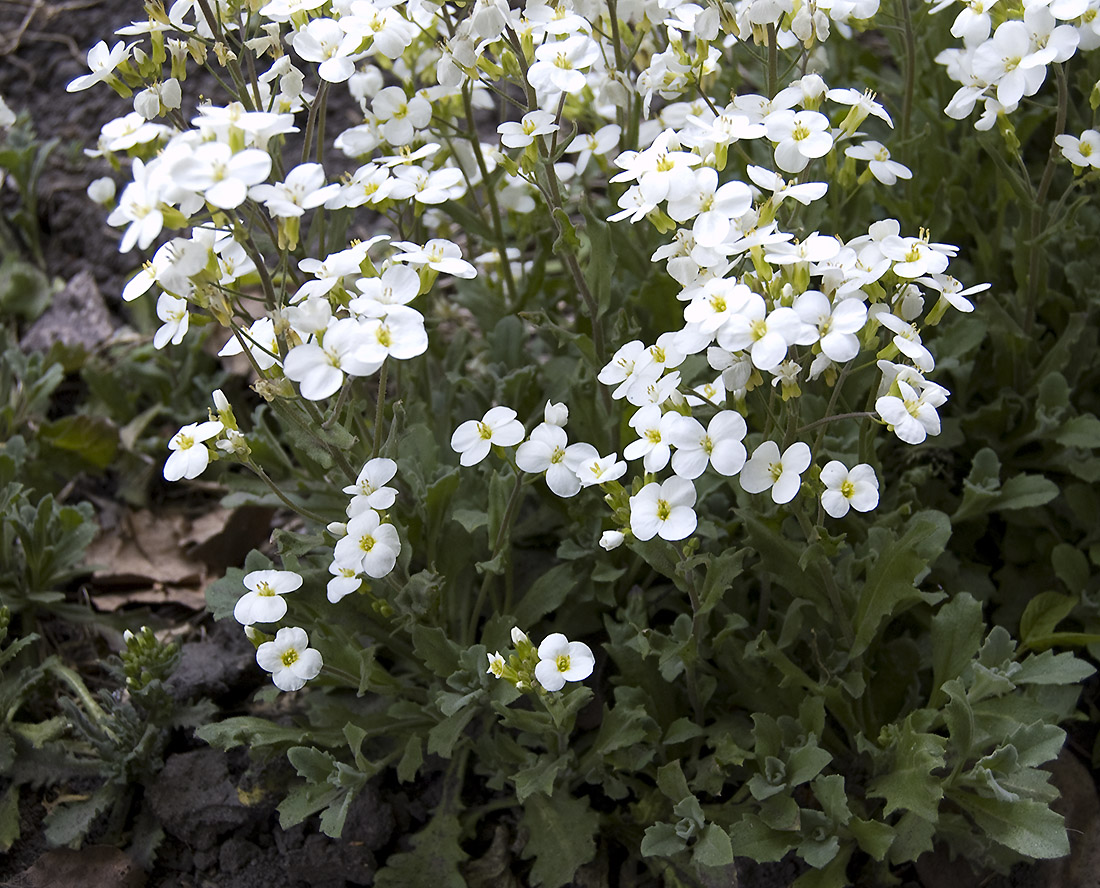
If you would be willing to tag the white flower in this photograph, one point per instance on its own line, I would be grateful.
(496, 665)
(370, 485)
(522, 134)
(370, 546)
(263, 602)
(912, 417)
(767, 469)
(345, 580)
(884, 169)
(320, 369)
(289, 659)
(547, 451)
(474, 438)
(102, 62)
(664, 510)
(562, 660)
(555, 414)
(654, 430)
(799, 137)
(720, 445)
(190, 456)
(222, 177)
(601, 470)
(611, 539)
(857, 488)
(303, 189)
(1082, 152)
(173, 311)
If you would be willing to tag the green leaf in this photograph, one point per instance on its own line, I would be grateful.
(539, 777)
(957, 630)
(890, 581)
(442, 738)
(909, 785)
(1049, 668)
(432, 862)
(1026, 491)
(312, 764)
(546, 594)
(713, 848)
(9, 817)
(68, 824)
(561, 832)
(661, 840)
(1028, 827)
(672, 782)
(621, 727)
(722, 570)
(1042, 614)
(873, 836)
(411, 760)
(438, 652)
(222, 595)
(1081, 431)
(247, 730)
(93, 438)
(755, 839)
(1072, 567)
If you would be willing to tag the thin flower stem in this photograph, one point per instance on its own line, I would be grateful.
(380, 408)
(910, 69)
(490, 196)
(300, 509)
(773, 62)
(859, 414)
(502, 534)
(311, 120)
(1034, 282)
(828, 410)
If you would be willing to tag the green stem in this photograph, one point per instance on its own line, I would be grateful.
(502, 535)
(910, 69)
(76, 683)
(1034, 284)
(300, 509)
(380, 408)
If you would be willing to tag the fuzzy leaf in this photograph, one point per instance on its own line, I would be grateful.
(1028, 827)
(890, 581)
(661, 840)
(713, 848)
(957, 630)
(561, 837)
(909, 785)
(432, 862)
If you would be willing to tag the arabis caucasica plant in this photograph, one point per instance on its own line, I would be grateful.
(573, 316)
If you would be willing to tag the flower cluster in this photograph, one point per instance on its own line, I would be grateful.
(556, 661)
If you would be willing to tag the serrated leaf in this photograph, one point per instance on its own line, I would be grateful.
(661, 840)
(546, 594)
(411, 759)
(312, 764)
(69, 823)
(1080, 431)
(722, 570)
(539, 777)
(713, 847)
(957, 630)
(442, 738)
(872, 836)
(438, 652)
(751, 837)
(909, 785)
(560, 838)
(1028, 827)
(889, 586)
(1049, 668)
(621, 727)
(432, 862)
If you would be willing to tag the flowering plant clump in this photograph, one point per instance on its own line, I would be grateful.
(655, 249)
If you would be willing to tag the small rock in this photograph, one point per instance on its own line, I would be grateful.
(77, 317)
(94, 866)
(236, 854)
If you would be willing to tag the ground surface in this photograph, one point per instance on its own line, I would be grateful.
(218, 811)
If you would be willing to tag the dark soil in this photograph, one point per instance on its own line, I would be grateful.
(217, 810)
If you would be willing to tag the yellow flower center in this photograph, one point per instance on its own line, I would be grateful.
(290, 657)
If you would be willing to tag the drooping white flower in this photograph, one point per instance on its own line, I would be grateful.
(767, 469)
(856, 488)
(289, 659)
(912, 417)
(562, 660)
(263, 602)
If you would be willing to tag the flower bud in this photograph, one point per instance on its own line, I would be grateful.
(556, 414)
(102, 190)
(611, 539)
